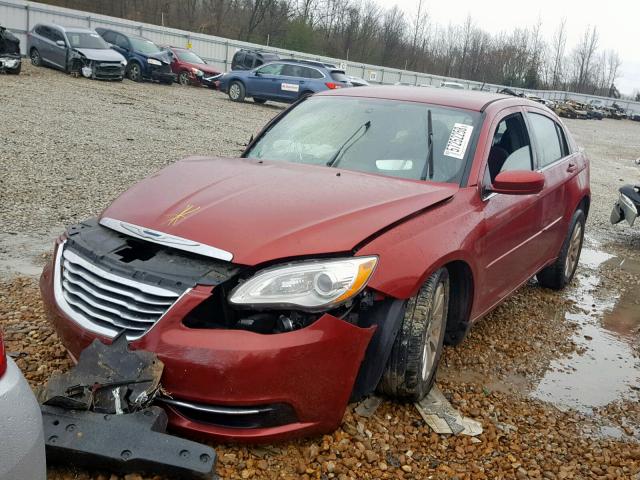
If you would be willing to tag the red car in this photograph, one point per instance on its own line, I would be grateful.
(361, 230)
(189, 68)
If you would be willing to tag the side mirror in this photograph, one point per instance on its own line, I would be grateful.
(257, 73)
(518, 182)
(61, 43)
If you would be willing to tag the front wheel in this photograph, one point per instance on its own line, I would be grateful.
(557, 275)
(411, 368)
(36, 59)
(236, 91)
(134, 73)
(183, 78)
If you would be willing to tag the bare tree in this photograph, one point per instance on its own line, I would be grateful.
(584, 56)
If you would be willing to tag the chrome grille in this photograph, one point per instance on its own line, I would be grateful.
(106, 303)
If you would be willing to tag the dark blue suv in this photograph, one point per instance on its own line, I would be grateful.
(282, 81)
(145, 60)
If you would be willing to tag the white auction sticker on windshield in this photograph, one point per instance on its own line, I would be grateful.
(290, 87)
(458, 141)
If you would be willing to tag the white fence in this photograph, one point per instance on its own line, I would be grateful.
(20, 16)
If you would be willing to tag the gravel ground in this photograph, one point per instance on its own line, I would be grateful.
(70, 146)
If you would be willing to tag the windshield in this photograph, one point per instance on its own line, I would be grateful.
(86, 40)
(143, 45)
(189, 57)
(386, 137)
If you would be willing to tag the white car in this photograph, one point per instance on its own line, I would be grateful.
(454, 85)
(21, 434)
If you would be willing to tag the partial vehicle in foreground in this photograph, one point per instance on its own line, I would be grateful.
(627, 206)
(282, 81)
(245, 59)
(358, 232)
(22, 454)
(189, 68)
(74, 50)
(10, 58)
(145, 60)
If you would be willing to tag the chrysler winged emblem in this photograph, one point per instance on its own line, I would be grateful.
(182, 214)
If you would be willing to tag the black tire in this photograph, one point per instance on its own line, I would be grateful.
(183, 78)
(36, 59)
(260, 101)
(406, 377)
(134, 72)
(237, 91)
(559, 274)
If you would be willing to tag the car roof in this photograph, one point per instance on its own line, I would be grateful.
(467, 99)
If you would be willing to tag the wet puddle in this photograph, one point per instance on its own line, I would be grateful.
(606, 366)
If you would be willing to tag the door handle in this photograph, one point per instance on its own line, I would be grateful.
(572, 168)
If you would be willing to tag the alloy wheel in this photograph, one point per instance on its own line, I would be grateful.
(134, 73)
(35, 57)
(573, 253)
(234, 91)
(434, 329)
(183, 78)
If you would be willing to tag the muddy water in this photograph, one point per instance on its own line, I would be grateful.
(606, 366)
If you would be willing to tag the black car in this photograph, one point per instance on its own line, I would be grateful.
(10, 59)
(250, 59)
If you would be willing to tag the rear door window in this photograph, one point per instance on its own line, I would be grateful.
(291, 70)
(547, 140)
(109, 37)
(121, 41)
(271, 69)
(311, 73)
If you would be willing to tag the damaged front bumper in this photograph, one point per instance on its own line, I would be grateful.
(232, 384)
(10, 63)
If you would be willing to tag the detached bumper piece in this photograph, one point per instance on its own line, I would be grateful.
(162, 74)
(134, 442)
(99, 415)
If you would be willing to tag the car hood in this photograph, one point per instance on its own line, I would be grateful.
(261, 211)
(207, 69)
(100, 54)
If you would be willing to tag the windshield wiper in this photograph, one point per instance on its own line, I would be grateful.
(428, 166)
(343, 148)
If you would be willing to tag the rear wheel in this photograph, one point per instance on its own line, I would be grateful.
(411, 368)
(36, 59)
(236, 91)
(561, 272)
(134, 72)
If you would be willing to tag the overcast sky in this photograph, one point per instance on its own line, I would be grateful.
(617, 22)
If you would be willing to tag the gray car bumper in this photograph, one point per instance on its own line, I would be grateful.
(21, 438)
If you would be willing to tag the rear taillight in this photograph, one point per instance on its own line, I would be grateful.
(333, 85)
(3, 357)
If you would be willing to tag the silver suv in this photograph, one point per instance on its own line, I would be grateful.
(74, 50)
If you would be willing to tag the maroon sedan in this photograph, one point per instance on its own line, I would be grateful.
(360, 231)
(189, 68)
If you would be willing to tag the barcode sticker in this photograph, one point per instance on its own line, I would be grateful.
(458, 141)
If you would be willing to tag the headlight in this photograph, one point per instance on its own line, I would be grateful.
(153, 61)
(197, 72)
(10, 63)
(309, 285)
(124, 63)
(628, 203)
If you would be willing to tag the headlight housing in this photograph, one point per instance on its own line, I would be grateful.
(153, 61)
(123, 63)
(309, 285)
(197, 72)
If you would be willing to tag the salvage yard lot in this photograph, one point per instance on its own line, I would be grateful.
(554, 378)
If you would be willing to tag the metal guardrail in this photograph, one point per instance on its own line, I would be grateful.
(20, 16)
